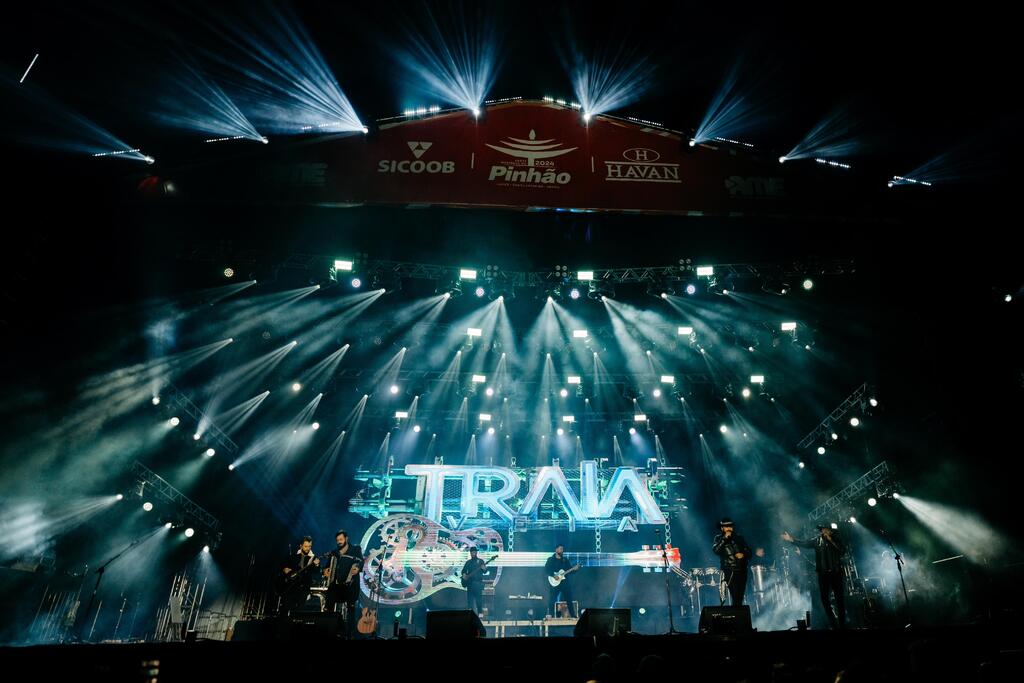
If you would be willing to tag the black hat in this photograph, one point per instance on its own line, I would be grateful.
(726, 522)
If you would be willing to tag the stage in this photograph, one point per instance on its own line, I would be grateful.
(948, 653)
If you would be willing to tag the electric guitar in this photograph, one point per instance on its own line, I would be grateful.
(467, 578)
(285, 582)
(559, 576)
(421, 557)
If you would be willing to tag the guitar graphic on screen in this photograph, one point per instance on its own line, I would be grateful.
(420, 557)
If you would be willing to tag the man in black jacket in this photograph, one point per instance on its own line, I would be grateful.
(828, 561)
(344, 589)
(734, 555)
(296, 576)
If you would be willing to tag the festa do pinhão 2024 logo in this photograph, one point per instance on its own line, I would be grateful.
(531, 163)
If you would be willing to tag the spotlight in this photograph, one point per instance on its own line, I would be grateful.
(231, 467)
(801, 464)
(489, 391)
(854, 422)
(835, 437)
(788, 327)
(206, 549)
(808, 283)
(723, 429)
(691, 289)
(479, 291)
(174, 422)
(485, 417)
(474, 332)
(705, 271)
(476, 112)
(853, 520)
(750, 348)
(490, 430)
(656, 393)
(632, 430)
(341, 264)
(478, 379)
(147, 506)
(746, 392)
(168, 525)
(229, 272)
(356, 283)
(896, 496)
(642, 611)
(664, 295)
(668, 379)
(872, 502)
(639, 417)
(834, 525)
(563, 393)
(685, 331)
(574, 293)
(190, 532)
(316, 425)
(821, 450)
(416, 428)
(757, 379)
(585, 275)
(196, 436)
(693, 143)
(574, 379)
(873, 402)
(120, 496)
(296, 387)
(586, 117)
(156, 400)
(467, 274)
(560, 431)
(782, 159)
(210, 452)
(1008, 298)
(401, 414)
(393, 389)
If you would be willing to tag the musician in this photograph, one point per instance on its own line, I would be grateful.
(828, 562)
(295, 595)
(344, 565)
(473, 573)
(554, 564)
(734, 555)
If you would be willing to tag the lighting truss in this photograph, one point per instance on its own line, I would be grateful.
(881, 475)
(824, 429)
(213, 433)
(149, 480)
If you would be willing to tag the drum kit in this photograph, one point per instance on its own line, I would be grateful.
(707, 586)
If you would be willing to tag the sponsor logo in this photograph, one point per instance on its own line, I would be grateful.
(739, 186)
(416, 165)
(531, 163)
(641, 165)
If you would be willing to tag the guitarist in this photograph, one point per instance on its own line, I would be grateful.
(302, 564)
(473, 578)
(556, 563)
(346, 562)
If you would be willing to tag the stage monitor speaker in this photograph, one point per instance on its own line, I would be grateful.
(458, 624)
(256, 629)
(603, 622)
(725, 620)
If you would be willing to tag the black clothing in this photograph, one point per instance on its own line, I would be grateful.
(338, 593)
(734, 568)
(475, 586)
(294, 598)
(727, 548)
(564, 589)
(828, 562)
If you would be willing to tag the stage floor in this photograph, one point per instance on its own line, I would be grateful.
(964, 653)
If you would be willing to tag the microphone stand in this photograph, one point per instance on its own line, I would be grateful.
(899, 567)
(100, 571)
(380, 589)
(668, 589)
